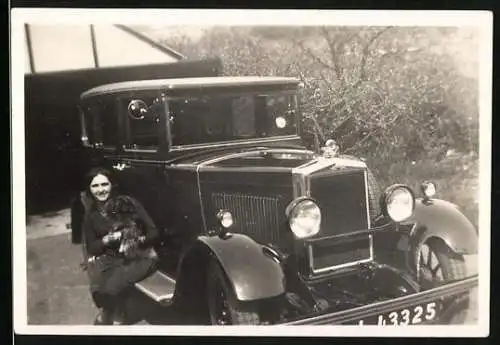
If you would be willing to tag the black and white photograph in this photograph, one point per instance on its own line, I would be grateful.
(251, 172)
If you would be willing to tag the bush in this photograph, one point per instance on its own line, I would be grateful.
(384, 93)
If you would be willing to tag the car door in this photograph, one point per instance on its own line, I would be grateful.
(137, 164)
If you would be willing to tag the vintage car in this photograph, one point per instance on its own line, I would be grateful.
(258, 229)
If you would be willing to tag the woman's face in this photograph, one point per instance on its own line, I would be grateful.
(100, 187)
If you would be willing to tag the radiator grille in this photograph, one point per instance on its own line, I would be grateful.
(255, 216)
(326, 255)
(342, 198)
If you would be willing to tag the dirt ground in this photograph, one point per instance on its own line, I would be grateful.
(58, 291)
(57, 287)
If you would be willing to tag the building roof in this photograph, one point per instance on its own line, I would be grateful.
(153, 43)
(54, 48)
(187, 83)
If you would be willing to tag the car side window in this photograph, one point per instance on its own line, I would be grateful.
(102, 125)
(243, 116)
(280, 113)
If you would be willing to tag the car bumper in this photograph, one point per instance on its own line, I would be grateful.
(449, 297)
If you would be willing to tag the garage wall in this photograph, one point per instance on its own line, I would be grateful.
(55, 161)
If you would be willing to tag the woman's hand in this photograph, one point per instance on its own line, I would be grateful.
(112, 237)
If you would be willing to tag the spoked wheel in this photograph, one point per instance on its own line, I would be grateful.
(437, 264)
(222, 310)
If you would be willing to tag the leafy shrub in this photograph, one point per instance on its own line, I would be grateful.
(384, 93)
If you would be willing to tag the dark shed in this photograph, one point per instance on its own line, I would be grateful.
(54, 155)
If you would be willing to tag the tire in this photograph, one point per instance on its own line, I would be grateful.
(452, 267)
(221, 309)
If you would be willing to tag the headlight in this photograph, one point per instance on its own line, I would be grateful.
(428, 189)
(398, 202)
(304, 217)
(225, 218)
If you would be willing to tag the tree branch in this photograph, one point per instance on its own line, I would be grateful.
(333, 54)
(343, 41)
(344, 122)
(326, 81)
(312, 55)
(317, 127)
(361, 142)
(366, 51)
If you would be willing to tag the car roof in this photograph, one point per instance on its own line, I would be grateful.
(187, 83)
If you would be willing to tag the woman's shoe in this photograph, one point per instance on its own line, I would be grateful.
(120, 320)
(104, 317)
(98, 319)
(119, 317)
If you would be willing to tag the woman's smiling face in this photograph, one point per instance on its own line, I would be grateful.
(100, 187)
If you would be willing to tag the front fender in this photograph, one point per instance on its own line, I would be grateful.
(442, 219)
(251, 273)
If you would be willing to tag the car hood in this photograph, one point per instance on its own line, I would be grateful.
(257, 184)
(264, 158)
(248, 156)
(287, 158)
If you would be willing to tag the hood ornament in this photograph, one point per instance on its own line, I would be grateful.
(331, 149)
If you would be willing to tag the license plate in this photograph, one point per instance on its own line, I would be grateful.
(414, 315)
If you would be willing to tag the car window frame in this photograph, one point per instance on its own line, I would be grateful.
(86, 113)
(161, 134)
(187, 147)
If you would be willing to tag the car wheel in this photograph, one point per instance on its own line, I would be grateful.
(220, 308)
(438, 264)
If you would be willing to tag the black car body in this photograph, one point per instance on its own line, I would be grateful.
(258, 229)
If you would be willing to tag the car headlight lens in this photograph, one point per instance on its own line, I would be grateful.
(399, 203)
(304, 217)
(428, 189)
(225, 218)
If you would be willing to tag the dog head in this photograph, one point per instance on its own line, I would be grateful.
(121, 207)
(123, 212)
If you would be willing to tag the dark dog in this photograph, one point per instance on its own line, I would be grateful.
(123, 212)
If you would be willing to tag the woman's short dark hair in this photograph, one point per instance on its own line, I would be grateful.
(84, 202)
(93, 173)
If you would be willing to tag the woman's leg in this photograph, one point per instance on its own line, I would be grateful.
(122, 279)
(106, 305)
(126, 275)
(101, 299)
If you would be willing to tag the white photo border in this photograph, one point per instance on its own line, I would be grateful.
(483, 20)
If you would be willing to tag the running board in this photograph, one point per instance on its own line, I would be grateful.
(159, 287)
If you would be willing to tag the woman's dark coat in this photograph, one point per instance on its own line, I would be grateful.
(109, 273)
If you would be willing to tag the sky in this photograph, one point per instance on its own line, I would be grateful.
(158, 32)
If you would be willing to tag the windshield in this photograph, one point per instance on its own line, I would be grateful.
(232, 117)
